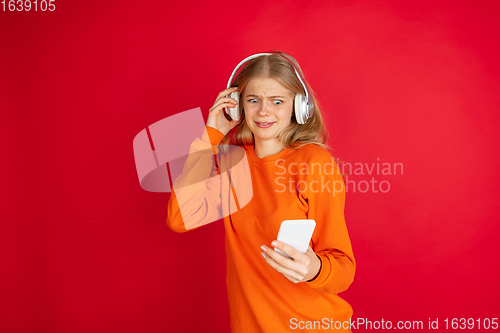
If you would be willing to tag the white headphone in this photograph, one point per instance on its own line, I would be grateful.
(303, 106)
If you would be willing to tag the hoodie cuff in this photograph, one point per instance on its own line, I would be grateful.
(324, 274)
(214, 136)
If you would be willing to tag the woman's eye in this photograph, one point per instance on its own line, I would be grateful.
(276, 102)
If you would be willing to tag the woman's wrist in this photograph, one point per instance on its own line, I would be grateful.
(319, 270)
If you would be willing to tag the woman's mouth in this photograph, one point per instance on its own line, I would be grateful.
(264, 125)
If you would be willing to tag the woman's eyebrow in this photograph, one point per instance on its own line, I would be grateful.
(269, 96)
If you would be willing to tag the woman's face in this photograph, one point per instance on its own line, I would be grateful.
(268, 107)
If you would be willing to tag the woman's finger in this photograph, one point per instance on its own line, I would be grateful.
(227, 91)
(292, 252)
(281, 269)
(223, 103)
(219, 107)
(290, 264)
(225, 100)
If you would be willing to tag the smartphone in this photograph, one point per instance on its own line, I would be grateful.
(296, 233)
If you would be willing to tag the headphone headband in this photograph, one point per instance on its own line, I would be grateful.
(267, 53)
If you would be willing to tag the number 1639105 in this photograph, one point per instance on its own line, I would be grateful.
(470, 323)
(28, 5)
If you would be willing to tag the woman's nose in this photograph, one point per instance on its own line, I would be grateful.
(264, 110)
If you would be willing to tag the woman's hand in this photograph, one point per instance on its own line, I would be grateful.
(304, 266)
(216, 115)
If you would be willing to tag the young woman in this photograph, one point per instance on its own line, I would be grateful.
(291, 175)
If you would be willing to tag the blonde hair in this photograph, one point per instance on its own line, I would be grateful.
(275, 66)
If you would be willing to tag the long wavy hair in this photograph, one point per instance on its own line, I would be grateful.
(296, 135)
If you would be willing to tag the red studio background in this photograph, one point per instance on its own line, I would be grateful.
(414, 83)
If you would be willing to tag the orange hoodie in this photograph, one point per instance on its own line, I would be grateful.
(303, 183)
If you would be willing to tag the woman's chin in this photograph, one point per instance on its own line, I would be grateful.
(264, 136)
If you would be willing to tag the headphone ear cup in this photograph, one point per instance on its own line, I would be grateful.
(301, 109)
(234, 113)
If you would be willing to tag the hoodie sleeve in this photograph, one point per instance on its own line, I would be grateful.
(195, 199)
(331, 243)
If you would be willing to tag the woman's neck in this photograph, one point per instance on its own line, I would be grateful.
(264, 148)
